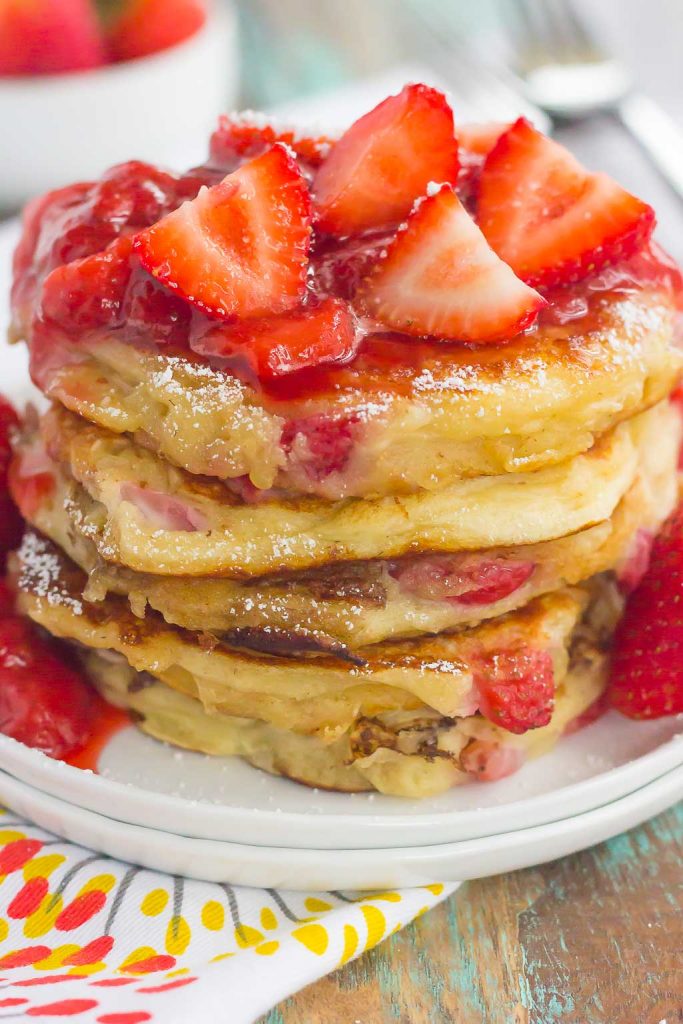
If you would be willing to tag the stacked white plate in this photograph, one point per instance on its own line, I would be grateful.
(221, 820)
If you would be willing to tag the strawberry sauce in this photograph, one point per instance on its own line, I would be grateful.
(46, 701)
(77, 277)
(106, 722)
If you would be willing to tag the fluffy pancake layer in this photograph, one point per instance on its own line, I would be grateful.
(144, 514)
(402, 755)
(321, 696)
(404, 416)
(363, 603)
(404, 722)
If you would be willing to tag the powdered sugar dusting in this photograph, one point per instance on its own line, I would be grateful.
(41, 574)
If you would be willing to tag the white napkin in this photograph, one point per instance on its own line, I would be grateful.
(93, 938)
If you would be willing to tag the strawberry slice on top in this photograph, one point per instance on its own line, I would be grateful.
(479, 137)
(277, 345)
(240, 248)
(553, 221)
(241, 137)
(476, 140)
(440, 277)
(386, 159)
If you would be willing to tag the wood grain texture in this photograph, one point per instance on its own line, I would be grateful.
(596, 938)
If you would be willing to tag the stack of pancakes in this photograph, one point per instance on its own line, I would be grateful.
(333, 609)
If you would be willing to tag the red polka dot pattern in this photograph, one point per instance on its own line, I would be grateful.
(29, 898)
(81, 910)
(24, 957)
(178, 983)
(124, 1018)
(18, 853)
(62, 1008)
(152, 964)
(95, 951)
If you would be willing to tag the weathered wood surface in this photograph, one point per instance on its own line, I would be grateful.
(596, 938)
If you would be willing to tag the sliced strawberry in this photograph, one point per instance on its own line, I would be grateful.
(31, 478)
(88, 294)
(478, 137)
(440, 277)
(11, 525)
(321, 444)
(31, 492)
(6, 599)
(44, 701)
(385, 161)
(9, 420)
(148, 26)
(476, 141)
(48, 36)
(338, 266)
(647, 664)
(553, 221)
(84, 219)
(516, 688)
(242, 137)
(275, 346)
(471, 581)
(106, 291)
(240, 249)
(635, 565)
(165, 511)
(489, 762)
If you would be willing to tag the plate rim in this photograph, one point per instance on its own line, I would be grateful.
(503, 852)
(134, 804)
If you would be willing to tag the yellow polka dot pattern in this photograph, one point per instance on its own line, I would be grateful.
(154, 902)
(77, 915)
(213, 915)
(178, 936)
(268, 919)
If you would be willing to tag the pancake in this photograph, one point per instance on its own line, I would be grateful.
(323, 696)
(144, 514)
(394, 754)
(353, 605)
(403, 416)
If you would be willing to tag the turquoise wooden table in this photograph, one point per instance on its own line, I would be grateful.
(596, 938)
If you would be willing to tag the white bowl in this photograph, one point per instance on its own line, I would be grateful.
(57, 129)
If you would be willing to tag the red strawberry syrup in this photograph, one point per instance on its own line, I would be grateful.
(106, 722)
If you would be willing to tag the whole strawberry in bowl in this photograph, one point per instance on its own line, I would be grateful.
(86, 83)
(139, 28)
(49, 38)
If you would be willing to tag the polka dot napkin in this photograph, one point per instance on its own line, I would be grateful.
(92, 939)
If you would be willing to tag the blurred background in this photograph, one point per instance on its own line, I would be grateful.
(92, 82)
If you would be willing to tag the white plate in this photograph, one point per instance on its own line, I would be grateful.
(282, 868)
(149, 784)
